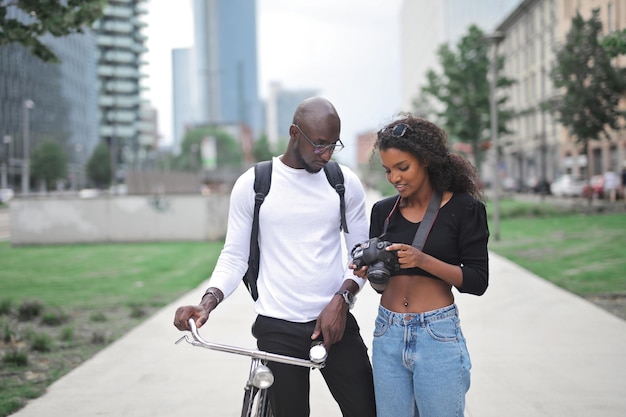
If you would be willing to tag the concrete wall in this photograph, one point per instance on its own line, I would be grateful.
(50, 220)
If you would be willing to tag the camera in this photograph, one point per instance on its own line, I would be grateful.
(381, 263)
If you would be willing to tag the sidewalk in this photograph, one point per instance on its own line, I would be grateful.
(536, 351)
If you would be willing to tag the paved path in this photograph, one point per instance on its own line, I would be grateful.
(537, 351)
(4, 224)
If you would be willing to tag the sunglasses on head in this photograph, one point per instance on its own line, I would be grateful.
(397, 131)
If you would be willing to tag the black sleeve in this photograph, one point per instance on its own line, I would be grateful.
(380, 211)
(473, 239)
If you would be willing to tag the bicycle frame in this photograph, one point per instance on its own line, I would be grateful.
(255, 401)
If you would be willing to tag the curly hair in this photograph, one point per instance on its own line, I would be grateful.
(429, 144)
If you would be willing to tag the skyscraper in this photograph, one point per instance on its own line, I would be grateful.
(225, 63)
(281, 104)
(182, 86)
(121, 45)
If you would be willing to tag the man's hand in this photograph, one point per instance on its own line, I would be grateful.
(359, 272)
(331, 322)
(199, 313)
(181, 319)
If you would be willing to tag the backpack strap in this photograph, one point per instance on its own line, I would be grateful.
(335, 178)
(262, 182)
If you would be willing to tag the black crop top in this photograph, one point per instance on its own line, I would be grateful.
(458, 236)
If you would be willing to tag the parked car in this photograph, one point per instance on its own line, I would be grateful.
(567, 186)
(537, 185)
(594, 188)
(511, 185)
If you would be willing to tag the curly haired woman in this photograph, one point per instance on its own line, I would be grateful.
(420, 358)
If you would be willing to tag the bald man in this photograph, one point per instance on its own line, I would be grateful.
(305, 289)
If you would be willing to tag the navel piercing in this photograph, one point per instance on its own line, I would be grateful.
(406, 302)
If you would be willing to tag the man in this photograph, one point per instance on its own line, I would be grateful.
(302, 274)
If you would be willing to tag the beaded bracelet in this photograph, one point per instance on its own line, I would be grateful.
(214, 294)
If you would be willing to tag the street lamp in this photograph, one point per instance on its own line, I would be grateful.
(27, 106)
(495, 38)
(6, 140)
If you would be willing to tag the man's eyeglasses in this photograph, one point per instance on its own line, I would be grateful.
(320, 149)
(398, 130)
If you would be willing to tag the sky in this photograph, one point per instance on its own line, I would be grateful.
(347, 50)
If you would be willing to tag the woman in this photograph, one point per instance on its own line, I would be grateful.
(420, 359)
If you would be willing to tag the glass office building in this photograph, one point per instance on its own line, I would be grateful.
(58, 100)
(225, 61)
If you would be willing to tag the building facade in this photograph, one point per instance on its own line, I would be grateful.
(280, 106)
(48, 101)
(426, 25)
(539, 147)
(121, 45)
(183, 115)
(225, 90)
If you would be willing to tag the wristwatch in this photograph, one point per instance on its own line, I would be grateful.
(348, 297)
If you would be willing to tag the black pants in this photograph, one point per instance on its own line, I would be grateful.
(348, 371)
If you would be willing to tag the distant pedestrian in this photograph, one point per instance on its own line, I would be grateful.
(611, 184)
(624, 182)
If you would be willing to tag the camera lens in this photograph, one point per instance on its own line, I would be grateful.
(378, 273)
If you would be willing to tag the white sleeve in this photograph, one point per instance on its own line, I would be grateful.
(232, 263)
(356, 219)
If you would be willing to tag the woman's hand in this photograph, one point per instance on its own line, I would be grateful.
(408, 256)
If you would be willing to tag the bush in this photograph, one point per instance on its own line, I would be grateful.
(29, 310)
(7, 333)
(41, 342)
(97, 317)
(15, 358)
(98, 338)
(67, 334)
(5, 307)
(54, 318)
(137, 311)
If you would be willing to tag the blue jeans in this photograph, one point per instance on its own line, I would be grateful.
(421, 364)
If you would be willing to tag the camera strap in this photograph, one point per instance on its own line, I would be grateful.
(427, 222)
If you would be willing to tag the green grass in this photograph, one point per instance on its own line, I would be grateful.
(582, 253)
(99, 276)
(60, 305)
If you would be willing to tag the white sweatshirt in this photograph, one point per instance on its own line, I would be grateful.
(301, 262)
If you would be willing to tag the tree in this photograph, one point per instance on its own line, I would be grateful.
(462, 93)
(615, 43)
(99, 166)
(38, 18)
(591, 87)
(228, 150)
(262, 150)
(49, 163)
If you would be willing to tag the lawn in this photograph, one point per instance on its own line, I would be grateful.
(104, 275)
(60, 305)
(582, 253)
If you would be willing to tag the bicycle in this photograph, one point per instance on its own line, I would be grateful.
(260, 377)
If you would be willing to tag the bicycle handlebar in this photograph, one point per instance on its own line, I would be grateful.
(197, 340)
